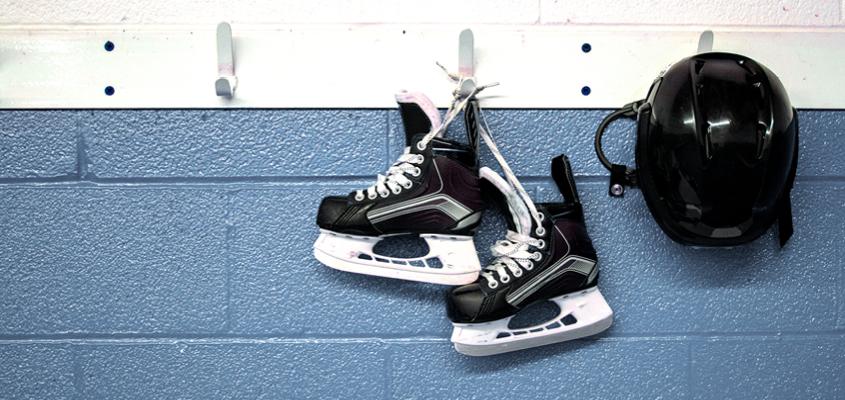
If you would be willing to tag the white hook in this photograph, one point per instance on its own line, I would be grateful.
(466, 62)
(705, 42)
(226, 81)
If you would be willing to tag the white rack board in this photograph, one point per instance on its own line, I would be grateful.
(361, 66)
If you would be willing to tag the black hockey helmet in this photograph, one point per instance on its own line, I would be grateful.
(716, 153)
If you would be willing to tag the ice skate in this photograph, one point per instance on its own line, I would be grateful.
(546, 256)
(432, 190)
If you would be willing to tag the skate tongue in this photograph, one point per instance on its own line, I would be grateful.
(419, 115)
(516, 207)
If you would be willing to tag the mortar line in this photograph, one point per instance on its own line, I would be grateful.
(78, 377)
(385, 338)
(249, 181)
(388, 368)
(689, 370)
(81, 156)
(227, 222)
(388, 132)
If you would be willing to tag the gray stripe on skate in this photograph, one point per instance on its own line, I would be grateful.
(468, 221)
(442, 202)
(454, 209)
(577, 264)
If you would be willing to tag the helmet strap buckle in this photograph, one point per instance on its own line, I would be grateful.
(621, 176)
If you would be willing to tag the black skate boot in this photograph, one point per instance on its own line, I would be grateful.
(432, 190)
(552, 259)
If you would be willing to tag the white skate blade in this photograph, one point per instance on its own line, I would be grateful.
(588, 309)
(451, 260)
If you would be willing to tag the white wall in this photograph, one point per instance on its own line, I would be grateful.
(801, 13)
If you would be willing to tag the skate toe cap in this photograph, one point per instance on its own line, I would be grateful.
(464, 303)
(331, 209)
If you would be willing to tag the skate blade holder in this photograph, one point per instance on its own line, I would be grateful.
(226, 81)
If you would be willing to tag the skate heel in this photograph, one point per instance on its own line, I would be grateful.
(451, 259)
(582, 314)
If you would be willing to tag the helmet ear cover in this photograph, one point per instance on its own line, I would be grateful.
(683, 201)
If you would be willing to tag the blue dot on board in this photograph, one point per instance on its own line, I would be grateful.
(585, 90)
(586, 47)
(109, 90)
(109, 46)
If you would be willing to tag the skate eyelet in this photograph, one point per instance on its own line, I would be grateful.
(517, 274)
(383, 194)
(420, 146)
(372, 196)
(397, 190)
(420, 158)
(493, 285)
(542, 244)
(537, 256)
(408, 185)
(540, 231)
(505, 278)
(530, 266)
(359, 197)
(417, 171)
(542, 216)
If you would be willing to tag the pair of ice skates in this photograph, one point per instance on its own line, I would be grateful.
(437, 190)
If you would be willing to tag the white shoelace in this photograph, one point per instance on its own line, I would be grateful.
(512, 255)
(513, 252)
(395, 180)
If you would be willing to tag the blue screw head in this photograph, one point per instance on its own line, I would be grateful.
(109, 90)
(586, 47)
(586, 90)
(109, 46)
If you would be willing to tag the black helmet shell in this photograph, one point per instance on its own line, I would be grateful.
(716, 149)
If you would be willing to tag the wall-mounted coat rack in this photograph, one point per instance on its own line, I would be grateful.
(361, 66)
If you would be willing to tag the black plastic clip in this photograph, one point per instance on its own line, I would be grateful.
(621, 176)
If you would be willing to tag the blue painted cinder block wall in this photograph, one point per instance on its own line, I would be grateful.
(167, 254)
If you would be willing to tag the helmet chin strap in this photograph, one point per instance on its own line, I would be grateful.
(620, 175)
(785, 228)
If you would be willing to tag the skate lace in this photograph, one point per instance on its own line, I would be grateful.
(396, 179)
(512, 255)
(513, 252)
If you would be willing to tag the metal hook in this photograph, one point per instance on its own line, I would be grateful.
(227, 81)
(705, 42)
(466, 63)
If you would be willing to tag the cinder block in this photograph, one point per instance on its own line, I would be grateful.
(467, 12)
(38, 144)
(278, 286)
(270, 370)
(109, 260)
(697, 12)
(822, 141)
(641, 369)
(36, 371)
(657, 286)
(776, 368)
(840, 299)
(235, 143)
(267, 11)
